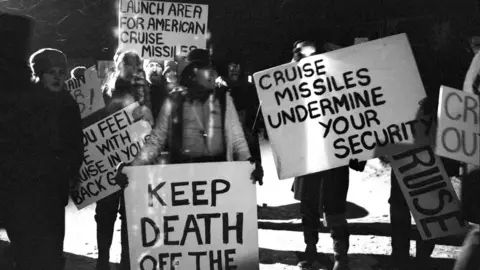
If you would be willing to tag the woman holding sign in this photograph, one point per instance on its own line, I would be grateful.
(323, 192)
(126, 87)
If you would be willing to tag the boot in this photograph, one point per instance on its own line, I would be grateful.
(423, 252)
(341, 243)
(311, 240)
(104, 241)
(400, 240)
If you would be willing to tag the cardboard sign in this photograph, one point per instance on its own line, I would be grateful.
(192, 216)
(162, 30)
(87, 92)
(428, 192)
(108, 142)
(356, 102)
(458, 133)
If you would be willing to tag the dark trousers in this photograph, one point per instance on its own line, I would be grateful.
(470, 255)
(400, 221)
(35, 224)
(105, 215)
(328, 189)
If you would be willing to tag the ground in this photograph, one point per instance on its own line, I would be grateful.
(280, 236)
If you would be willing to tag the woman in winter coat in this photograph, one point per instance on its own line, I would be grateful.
(128, 85)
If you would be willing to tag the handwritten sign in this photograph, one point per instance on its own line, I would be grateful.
(192, 216)
(108, 142)
(87, 92)
(458, 133)
(356, 102)
(428, 192)
(162, 30)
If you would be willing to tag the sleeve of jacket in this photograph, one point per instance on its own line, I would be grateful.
(153, 147)
(241, 151)
(71, 126)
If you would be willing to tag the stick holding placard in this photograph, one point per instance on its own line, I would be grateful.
(458, 133)
(429, 193)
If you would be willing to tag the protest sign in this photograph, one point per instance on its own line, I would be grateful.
(428, 192)
(192, 216)
(458, 132)
(162, 30)
(86, 91)
(114, 139)
(356, 102)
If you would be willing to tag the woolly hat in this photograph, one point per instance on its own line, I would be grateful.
(18, 29)
(170, 65)
(198, 55)
(14, 50)
(44, 59)
(148, 61)
(78, 71)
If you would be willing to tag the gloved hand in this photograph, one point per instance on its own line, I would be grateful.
(257, 174)
(354, 164)
(143, 113)
(120, 178)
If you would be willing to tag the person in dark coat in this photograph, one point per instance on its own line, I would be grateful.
(246, 101)
(442, 60)
(126, 87)
(45, 154)
(325, 192)
(154, 75)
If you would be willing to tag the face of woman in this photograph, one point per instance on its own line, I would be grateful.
(206, 77)
(129, 67)
(54, 79)
(171, 76)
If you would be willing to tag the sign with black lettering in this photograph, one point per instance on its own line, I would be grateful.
(192, 216)
(428, 192)
(86, 91)
(458, 132)
(162, 30)
(116, 138)
(356, 102)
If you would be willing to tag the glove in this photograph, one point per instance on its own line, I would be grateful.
(257, 174)
(120, 178)
(357, 166)
(143, 113)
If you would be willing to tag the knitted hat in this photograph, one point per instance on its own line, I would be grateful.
(17, 32)
(148, 61)
(45, 59)
(198, 54)
(78, 71)
(14, 48)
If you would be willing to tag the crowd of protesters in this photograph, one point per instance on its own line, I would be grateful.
(196, 116)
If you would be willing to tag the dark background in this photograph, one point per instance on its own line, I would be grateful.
(262, 30)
